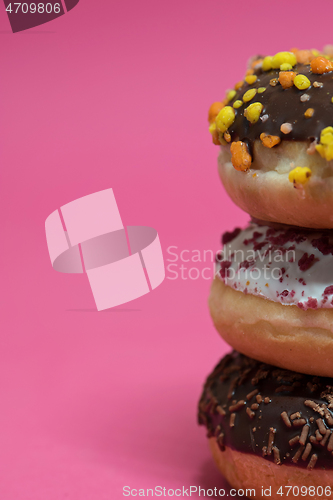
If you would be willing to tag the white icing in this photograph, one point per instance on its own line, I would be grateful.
(274, 272)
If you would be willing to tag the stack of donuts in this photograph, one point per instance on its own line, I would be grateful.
(268, 406)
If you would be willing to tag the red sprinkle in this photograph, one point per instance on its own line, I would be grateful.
(328, 290)
(312, 303)
(306, 261)
(224, 271)
(323, 245)
(246, 264)
(230, 235)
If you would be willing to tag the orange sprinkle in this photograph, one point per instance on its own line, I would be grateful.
(254, 175)
(239, 85)
(214, 111)
(227, 136)
(304, 56)
(215, 138)
(241, 158)
(269, 140)
(249, 72)
(309, 113)
(273, 82)
(321, 65)
(255, 62)
(286, 78)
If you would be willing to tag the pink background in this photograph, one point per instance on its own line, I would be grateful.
(115, 94)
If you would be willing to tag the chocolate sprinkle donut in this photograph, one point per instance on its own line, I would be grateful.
(283, 416)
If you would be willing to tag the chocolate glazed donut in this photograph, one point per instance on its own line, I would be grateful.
(269, 430)
(276, 137)
(282, 416)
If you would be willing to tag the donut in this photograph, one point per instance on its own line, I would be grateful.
(275, 132)
(272, 296)
(269, 428)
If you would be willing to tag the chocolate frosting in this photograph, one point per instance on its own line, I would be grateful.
(283, 416)
(285, 106)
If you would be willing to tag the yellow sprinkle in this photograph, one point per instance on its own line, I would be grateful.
(283, 58)
(212, 128)
(325, 151)
(237, 104)
(267, 63)
(266, 284)
(231, 94)
(249, 95)
(252, 112)
(247, 283)
(261, 90)
(331, 99)
(254, 175)
(300, 175)
(325, 148)
(250, 79)
(301, 82)
(285, 67)
(225, 118)
(326, 135)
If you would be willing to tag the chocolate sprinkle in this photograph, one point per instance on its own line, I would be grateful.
(313, 461)
(285, 418)
(220, 441)
(220, 410)
(321, 426)
(307, 451)
(330, 443)
(276, 453)
(232, 420)
(297, 454)
(325, 438)
(271, 440)
(251, 394)
(299, 422)
(238, 406)
(304, 434)
(319, 437)
(250, 413)
(293, 441)
(295, 415)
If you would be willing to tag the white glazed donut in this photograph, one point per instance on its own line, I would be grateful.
(272, 297)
